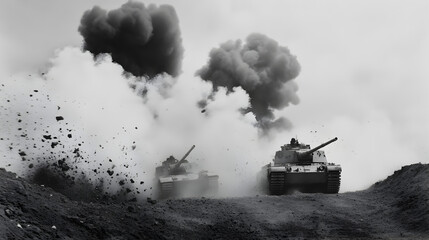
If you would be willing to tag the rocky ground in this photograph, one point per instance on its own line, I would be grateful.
(396, 208)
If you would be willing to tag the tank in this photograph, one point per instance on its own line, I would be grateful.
(298, 167)
(179, 178)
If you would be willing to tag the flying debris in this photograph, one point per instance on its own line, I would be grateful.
(144, 41)
(47, 137)
(263, 69)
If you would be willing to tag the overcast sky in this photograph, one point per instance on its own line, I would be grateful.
(364, 75)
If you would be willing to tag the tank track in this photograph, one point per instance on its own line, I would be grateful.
(334, 180)
(166, 189)
(277, 183)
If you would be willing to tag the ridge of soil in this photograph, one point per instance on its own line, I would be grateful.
(396, 208)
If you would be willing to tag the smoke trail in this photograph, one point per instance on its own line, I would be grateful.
(144, 41)
(263, 69)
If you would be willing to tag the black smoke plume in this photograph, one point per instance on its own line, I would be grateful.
(144, 41)
(263, 69)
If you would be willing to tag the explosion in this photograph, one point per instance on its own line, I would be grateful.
(144, 41)
(263, 69)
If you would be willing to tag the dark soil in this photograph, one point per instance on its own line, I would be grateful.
(396, 208)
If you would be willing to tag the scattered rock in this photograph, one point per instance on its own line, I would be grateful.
(47, 137)
(150, 200)
(8, 212)
(130, 209)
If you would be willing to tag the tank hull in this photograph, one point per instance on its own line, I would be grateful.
(310, 178)
(176, 178)
(188, 185)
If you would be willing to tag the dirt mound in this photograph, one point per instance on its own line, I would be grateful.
(408, 178)
(407, 189)
(80, 189)
(31, 211)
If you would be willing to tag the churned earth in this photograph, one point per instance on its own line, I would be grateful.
(396, 208)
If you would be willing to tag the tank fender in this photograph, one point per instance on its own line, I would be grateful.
(334, 168)
(277, 169)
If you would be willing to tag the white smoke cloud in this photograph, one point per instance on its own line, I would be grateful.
(352, 37)
(109, 119)
(115, 127)
(368, 148)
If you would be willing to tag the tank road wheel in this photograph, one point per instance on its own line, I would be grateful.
(277, 183)
(166, 189)
(334, 180)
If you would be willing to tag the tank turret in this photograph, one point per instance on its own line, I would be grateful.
(182, 160)
(309, 152)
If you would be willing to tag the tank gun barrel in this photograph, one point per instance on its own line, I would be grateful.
(184, 157)
(318, 147)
